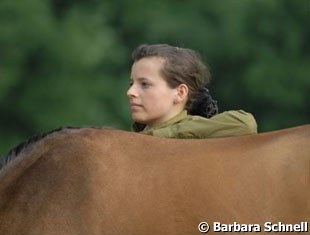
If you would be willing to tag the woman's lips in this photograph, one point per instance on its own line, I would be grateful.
(135, 106)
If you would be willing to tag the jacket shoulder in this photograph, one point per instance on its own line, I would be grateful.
(226, 124)
(229, 123)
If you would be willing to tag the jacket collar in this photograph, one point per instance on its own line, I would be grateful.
(138, 127)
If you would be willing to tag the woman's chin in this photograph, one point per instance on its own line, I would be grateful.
(137, 118)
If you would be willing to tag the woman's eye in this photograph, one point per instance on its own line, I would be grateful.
(145, 84)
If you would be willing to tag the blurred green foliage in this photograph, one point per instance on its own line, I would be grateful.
(67, 62)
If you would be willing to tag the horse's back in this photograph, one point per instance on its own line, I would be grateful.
(92, 181)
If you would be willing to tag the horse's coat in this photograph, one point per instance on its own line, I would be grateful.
(92, 181)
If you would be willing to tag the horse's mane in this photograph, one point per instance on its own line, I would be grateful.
(15, 152)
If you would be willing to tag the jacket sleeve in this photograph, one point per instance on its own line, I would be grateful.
(226, 124)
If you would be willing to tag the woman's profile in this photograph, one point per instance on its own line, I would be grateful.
(169, 97)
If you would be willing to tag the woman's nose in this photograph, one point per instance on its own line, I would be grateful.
(131, 92)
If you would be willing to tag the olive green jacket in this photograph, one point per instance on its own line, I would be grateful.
(185, 126)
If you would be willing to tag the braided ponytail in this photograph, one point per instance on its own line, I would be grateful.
(203, 104)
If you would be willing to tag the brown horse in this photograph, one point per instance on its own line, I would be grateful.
(103, 181)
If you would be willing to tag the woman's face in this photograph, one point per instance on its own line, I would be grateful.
(151, 99)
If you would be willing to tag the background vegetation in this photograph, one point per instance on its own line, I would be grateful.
(67, 62)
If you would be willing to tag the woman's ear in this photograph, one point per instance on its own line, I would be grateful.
(181, 94)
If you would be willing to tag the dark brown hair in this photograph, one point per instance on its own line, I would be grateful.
(183, 66)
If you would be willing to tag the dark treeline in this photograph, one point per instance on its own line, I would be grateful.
(67, 62)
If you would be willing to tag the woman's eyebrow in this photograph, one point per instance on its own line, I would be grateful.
(140, 79)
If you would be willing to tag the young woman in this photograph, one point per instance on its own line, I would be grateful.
(169, 98)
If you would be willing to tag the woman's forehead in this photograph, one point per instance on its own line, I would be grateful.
(146, 67)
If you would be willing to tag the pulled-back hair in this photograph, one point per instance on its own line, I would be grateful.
(183, 66)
